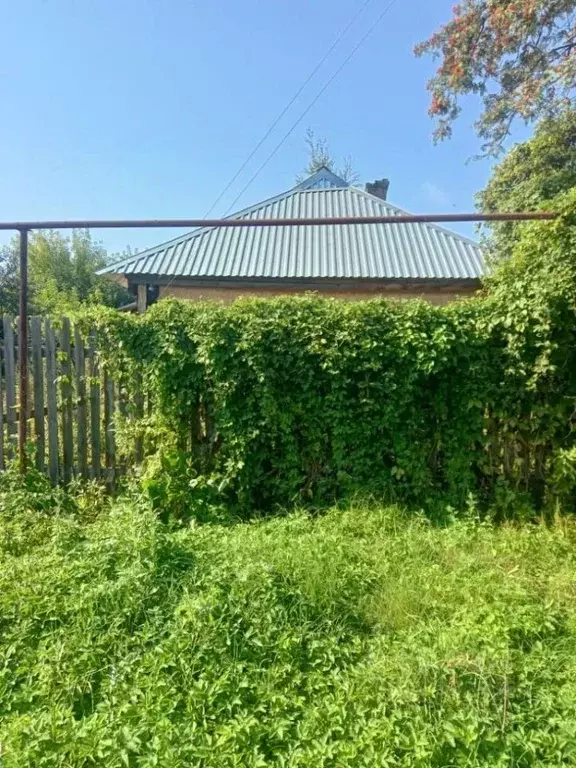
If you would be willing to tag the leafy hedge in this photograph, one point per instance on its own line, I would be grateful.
(271, 401)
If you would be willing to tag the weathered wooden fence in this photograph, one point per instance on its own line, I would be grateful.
(74, 406)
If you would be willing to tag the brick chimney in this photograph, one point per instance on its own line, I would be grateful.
(378, 188)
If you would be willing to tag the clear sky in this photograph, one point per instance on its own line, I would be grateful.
(146, 108)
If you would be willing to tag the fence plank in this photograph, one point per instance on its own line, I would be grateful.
(95, 453)
(138, 415)
(66, 392)
(10, 370)
(121, 405)
(80, 366)
(122, 399)
(38, 382)
(19, 350)
(2, 457)
(109, 429)
(51, 402)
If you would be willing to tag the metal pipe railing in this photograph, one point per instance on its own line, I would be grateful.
(400, 218)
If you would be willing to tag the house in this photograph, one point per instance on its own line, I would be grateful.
(349, 261)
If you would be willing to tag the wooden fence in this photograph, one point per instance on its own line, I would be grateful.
(74, 404)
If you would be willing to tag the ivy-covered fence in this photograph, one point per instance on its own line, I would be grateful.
(275, 402)
(75, 405)
(271, 402)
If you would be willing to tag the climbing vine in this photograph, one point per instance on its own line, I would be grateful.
(271, 402)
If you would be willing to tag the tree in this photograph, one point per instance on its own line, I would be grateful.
(530, 177)
(62, 274)
(9, 280)
(320, 156)
(518, 57)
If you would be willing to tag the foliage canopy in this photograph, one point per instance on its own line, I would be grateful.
(62, 274)
(518, 57)
(530, 176)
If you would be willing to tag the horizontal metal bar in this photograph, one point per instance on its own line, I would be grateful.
(403, 218)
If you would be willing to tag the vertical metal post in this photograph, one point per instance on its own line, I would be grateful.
(23, 346)
(141, 297)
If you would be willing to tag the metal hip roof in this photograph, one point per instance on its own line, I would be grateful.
(413, 251)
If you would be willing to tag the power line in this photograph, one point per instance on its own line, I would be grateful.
(290, 103)
(313, 102)
(308, 108)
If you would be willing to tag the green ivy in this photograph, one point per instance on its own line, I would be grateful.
(310, 399)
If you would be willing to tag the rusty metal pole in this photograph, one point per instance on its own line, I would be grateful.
(23, 348)
(396, 218)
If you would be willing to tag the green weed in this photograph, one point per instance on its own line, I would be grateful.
(359, 638)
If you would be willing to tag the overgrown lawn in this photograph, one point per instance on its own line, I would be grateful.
(363, 637)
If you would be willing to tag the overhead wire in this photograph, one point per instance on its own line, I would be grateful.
(293, 127)
(275, 122)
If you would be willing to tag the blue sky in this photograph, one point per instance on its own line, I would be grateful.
(146, 108)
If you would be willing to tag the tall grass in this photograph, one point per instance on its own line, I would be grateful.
(359, 638)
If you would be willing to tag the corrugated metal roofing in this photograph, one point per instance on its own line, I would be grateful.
(411, 251)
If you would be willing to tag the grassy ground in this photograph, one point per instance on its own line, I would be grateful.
(360, 638)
